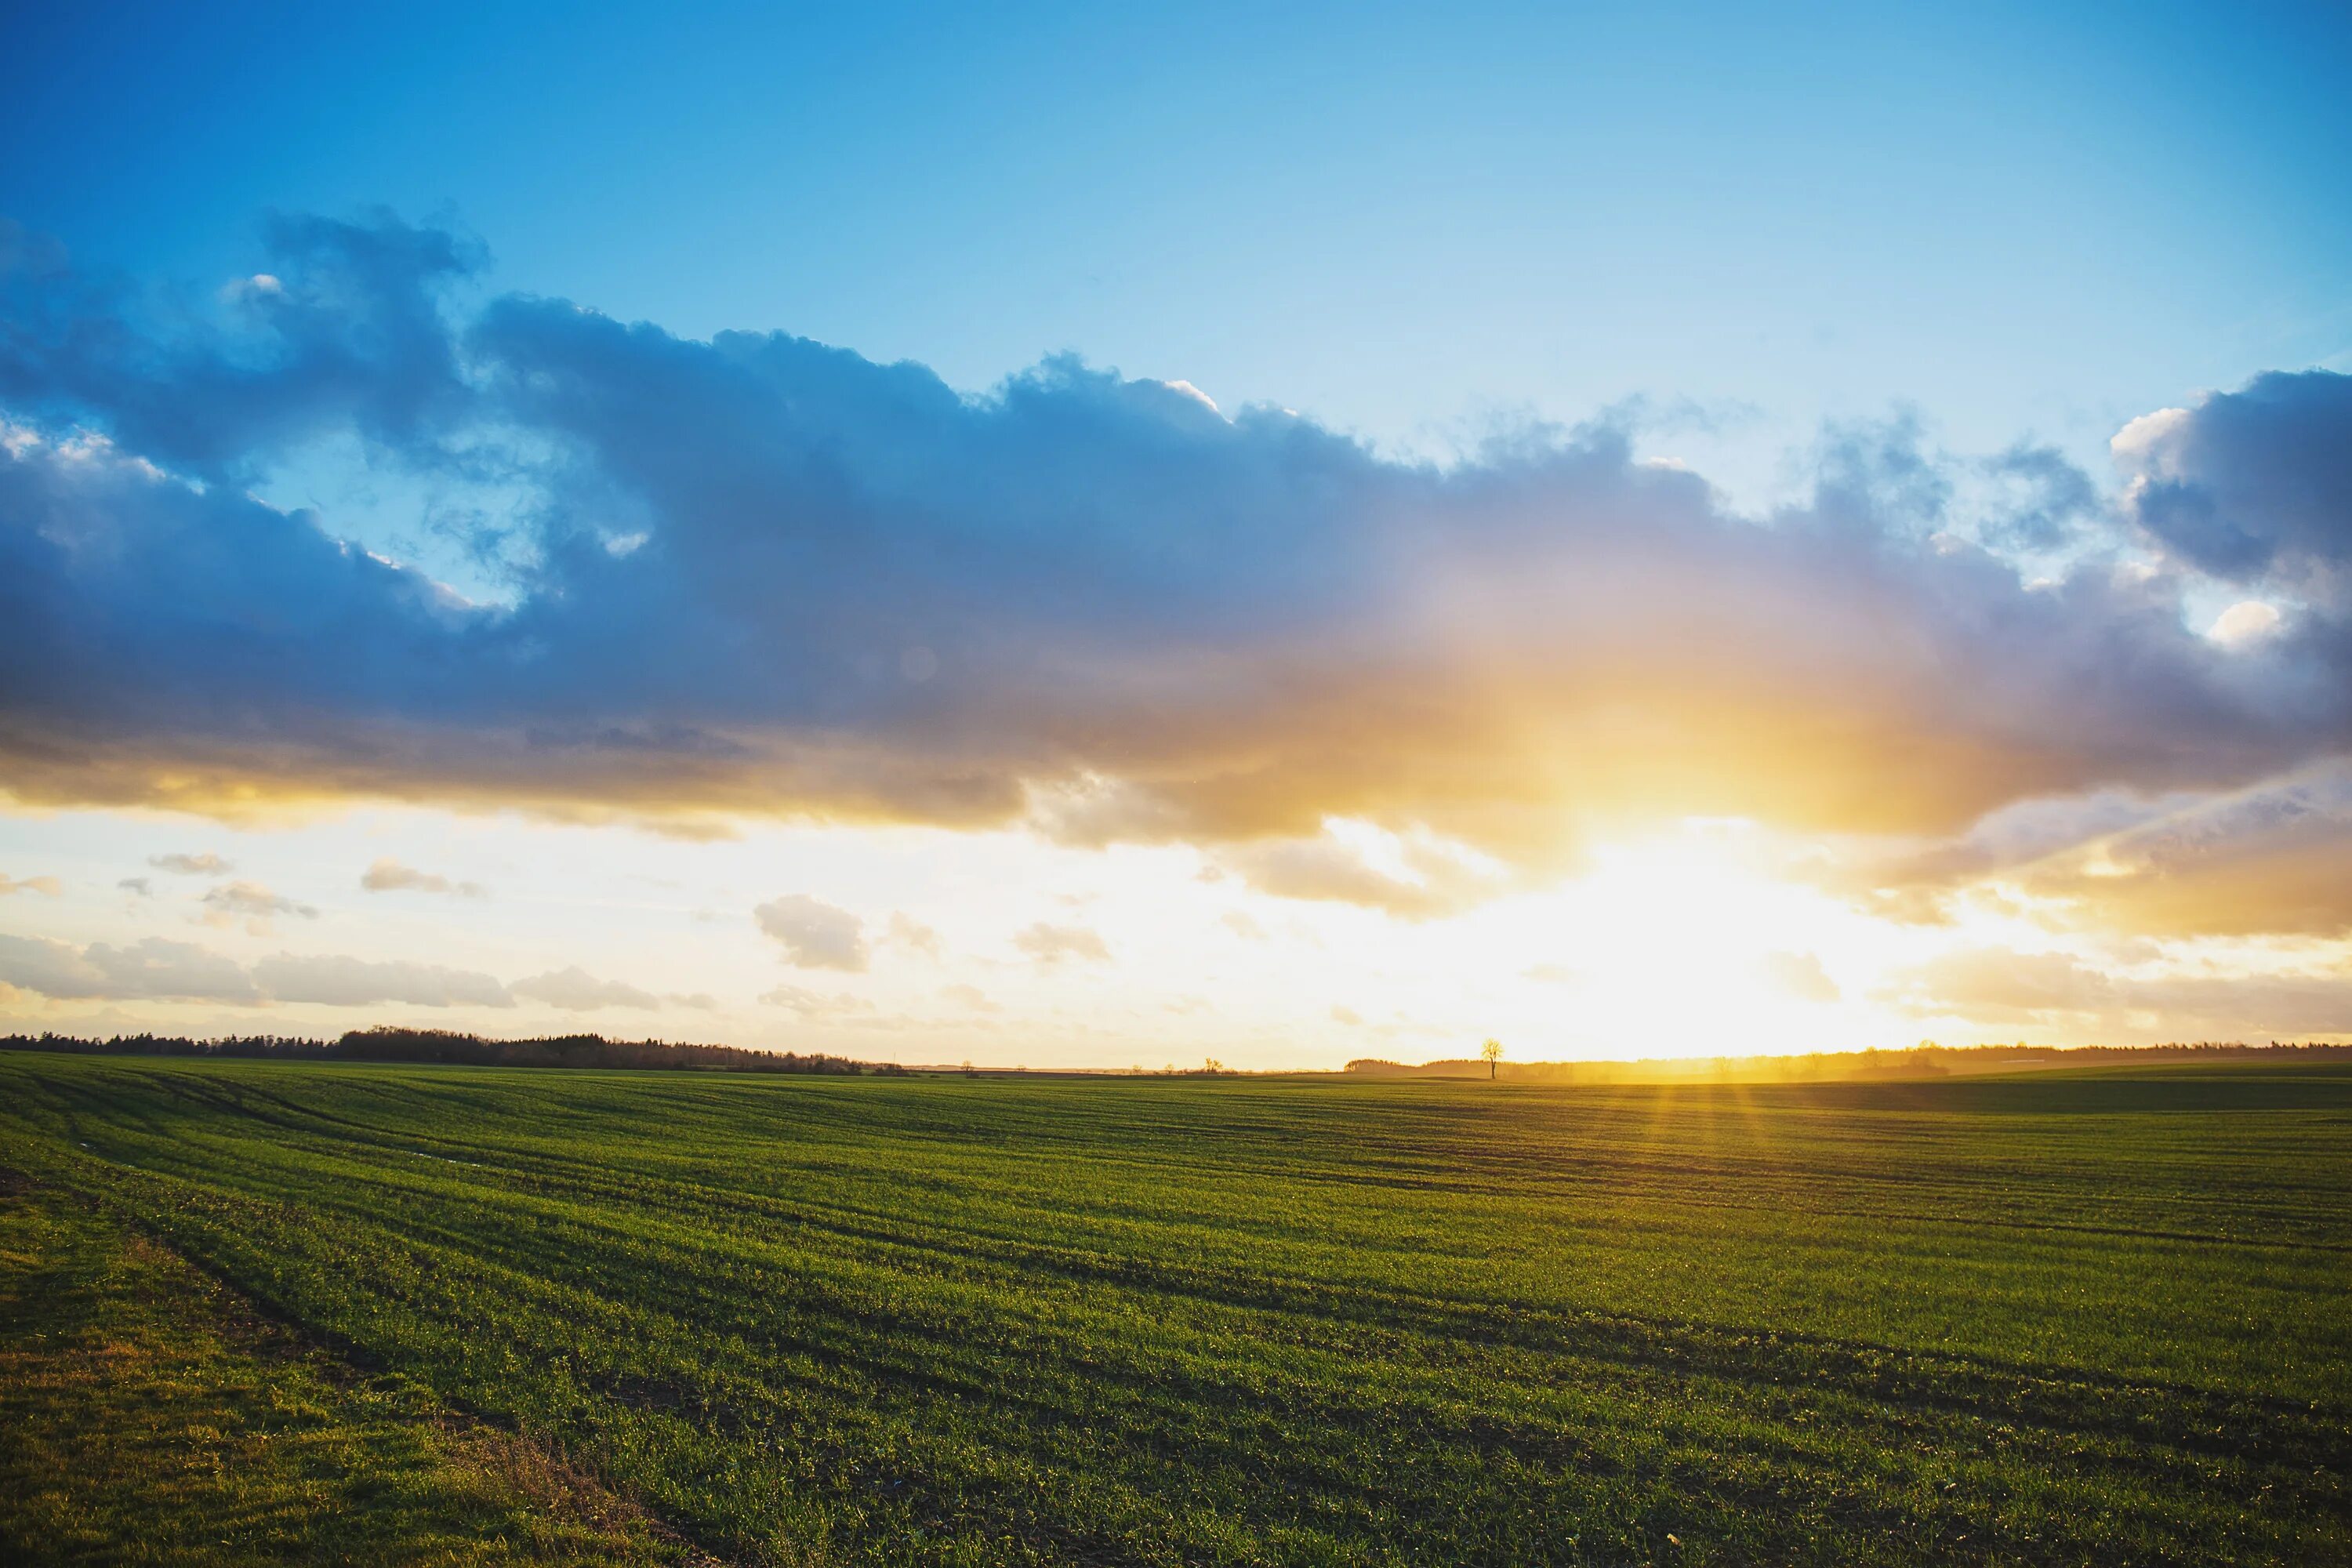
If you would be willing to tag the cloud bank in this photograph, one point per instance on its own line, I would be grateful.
(760, 574)
(160, 970)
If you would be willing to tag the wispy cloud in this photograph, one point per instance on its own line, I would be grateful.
(387, 875)
(911, 935)
(204, 864)
(251, 900)
(1050, 945)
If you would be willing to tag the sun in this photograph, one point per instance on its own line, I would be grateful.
(1692, 942)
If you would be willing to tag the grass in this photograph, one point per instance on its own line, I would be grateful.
(148, 1416)
(2093, 1318)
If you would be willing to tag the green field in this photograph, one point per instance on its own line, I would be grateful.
(2098, 1319)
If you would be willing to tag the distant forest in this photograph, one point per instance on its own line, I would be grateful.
(1929, 1060)
(390, 1044)
(448, 1046)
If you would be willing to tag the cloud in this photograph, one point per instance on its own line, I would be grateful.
(1242, 924)
(758, 574)
(48, 885)
(158, 970)
(904, 930)
(1346, 1016)
(1426, 883)
(2040, 500)
(139, 886)
(969, 997)
(2246, 1007)
(1997, 986)
(341, 981)
(1051, 944)
(255, 901)
(2253, 485)
(149, 970)
(2001, 986)
(388, 876)
(346, 333)
(575, 990)
(206, 865)
(2247, 620)
(814, 934)
(2275, 858)
(1801, 975)
(817, 1006)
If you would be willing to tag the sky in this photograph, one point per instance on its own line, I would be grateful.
(1101, 537)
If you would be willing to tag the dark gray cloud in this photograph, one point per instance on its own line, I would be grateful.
(761, 574)
(342, 329)
(2253, 484)
(2042, 501)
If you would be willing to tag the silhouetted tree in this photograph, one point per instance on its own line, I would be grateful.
(1491, 1053)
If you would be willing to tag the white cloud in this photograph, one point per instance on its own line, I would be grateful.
(2247, 620)
(341, 981)
(153, 969)
(905, 931)
(575, 990)
(971, 997)
(814, 934)
(1051, 944)
(814, 1004)
(1801, 975)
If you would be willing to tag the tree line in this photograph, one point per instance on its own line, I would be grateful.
(385, 1044)
(1928, 1059)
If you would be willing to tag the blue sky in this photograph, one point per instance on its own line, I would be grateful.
(1097, 536)
(1409, 222)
